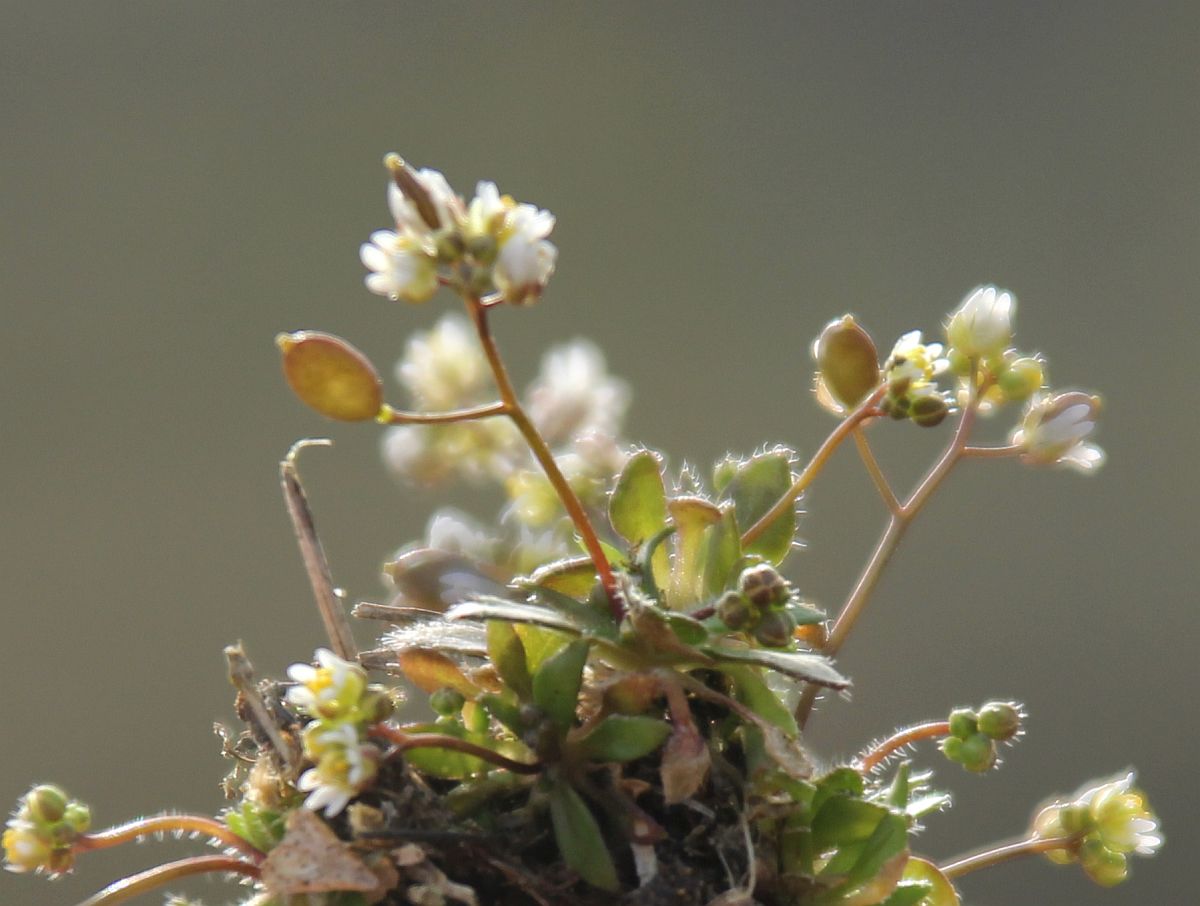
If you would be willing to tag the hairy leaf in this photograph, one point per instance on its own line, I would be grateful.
(556, 682)
(756, 486)
(638, 505)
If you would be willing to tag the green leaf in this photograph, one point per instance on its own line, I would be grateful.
(579, 838)
(692, 516)
(752, 691)
(507, 654)
(260, 827)
(556, 682)
(888, 840)
(574, 576)
(638, 505)
(723, 550)
(539, 643)
(811, 667)
(622, 738)
(908, 893)
(842, 820)
(942, 892)
(445, 763)
(757, 485)
(587, 617)
(504, 710)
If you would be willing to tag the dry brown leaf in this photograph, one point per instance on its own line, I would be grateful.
(311, 859)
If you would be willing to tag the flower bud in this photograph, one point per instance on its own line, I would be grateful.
(330, 375)
(78, 817)
(410, 185)
(1102, 865)
(929, 410)
(981, 326)
(46, 804)
(775, 629)
(999, 720)
(847, 362)
(447, 702)
(978, 753)
(963, 723)
(735, 611)
(1021, 378)
(763, 586)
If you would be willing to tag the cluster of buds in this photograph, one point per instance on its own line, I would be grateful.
(911, 375)
(759, 606)
(1103, 825)
(340, 705)
(41, 833)
(973, 735)
(490, 245)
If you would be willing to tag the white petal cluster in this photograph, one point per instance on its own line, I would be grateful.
(401, 267)
(981, 327)
(574, 395)
(345, 765)
(915, 361)
(526, 258)
(444, 367)
(329, 690)
(1055, 428)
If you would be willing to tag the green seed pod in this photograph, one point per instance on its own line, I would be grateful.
(963, 723)
(847, 361)
(775, 629)
(952, 748)
(330, 375)
(762, 586)
(999, 720)
(735, 611)
(929, 411)
(78, 817)
(978, 753)
(46, 803)
(447, 702)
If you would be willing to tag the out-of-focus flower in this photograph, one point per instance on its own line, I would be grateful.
(525, 259)
(330, 691)
(575, 395)
(25, 848)
(476, 450)
(981, 326)
(41, 832)
(914, 362)
(1108, 821)
(455, 532)
(444, 367)
(344, 767)
(1054, 431)
(401, 266)
(447, 207)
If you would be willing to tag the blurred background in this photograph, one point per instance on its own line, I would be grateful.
(181, 181)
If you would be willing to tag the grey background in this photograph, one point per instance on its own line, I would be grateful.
(182, 180)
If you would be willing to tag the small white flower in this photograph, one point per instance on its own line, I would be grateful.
(1054, 431)
(447, 204)
(487, 210)
(575, 395)
(915, 360)
(401, 267)
(981, 327)
(344, 768)
(455, 532)
(329, 690)
(1123, 819)
(444, 367)
(25, 848)
(526, 258)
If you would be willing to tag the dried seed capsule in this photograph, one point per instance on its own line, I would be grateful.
(330, 375)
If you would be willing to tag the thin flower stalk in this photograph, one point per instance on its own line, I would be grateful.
(899, 740)
(390, 416)
(882, 485)
(135, 885)
(1005, 852)
(167, 824)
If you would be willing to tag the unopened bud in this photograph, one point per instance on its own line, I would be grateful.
(330, 375)
(978, 753)
(775, 629)
(963, 723)
(46, 803)
(1021, 378)
(1104, 866)
(999, 720)
(377, 705)
(447, 702)
(407, 182)
(928, 410)
(763, 586)
(847, 361)
(78, 817)
(735, 611)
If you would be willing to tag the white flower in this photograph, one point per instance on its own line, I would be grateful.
(915, 361)
(25, 848)
(487, 210)
(574, 395)
(981, 327)
(401, 267)
(444, 367)
(329, 690)
(344, 768)
(1054, 429)
(447, 205)
(455, 532)
(526, 258)
(1123, 818)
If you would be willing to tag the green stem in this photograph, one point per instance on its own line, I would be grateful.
(545, 458)
(172, 824)
(865, 410)
(390, 416)
(1005, 852)
(143, 882)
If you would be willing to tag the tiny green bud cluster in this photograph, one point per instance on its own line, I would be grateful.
(759, 606)
(41, 833)
(341, 705)
(973, 735)
(911, 375)
(1107, 822)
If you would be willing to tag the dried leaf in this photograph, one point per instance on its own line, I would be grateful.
(311, 859)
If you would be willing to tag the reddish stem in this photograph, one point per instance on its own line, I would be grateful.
(158, 824)
(875, 756)
(405, 741)
(143, 882)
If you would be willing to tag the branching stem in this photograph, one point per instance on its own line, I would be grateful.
(143, 882)
(882, 485)
(1005, 852)
(537, 445)
(865, 410)
(879, 752)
